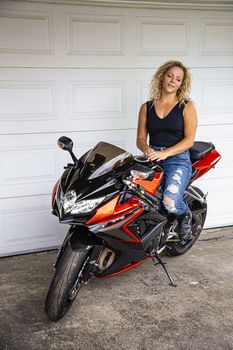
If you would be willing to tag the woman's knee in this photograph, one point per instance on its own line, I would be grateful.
(169, 204)
(174, 189)
(170, 198)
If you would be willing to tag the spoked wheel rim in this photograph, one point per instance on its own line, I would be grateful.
(72, 295)
(74, 291)
(76, 287)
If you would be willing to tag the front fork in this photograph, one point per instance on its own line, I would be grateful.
(79, 241)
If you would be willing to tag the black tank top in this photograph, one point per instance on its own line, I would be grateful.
(168, 131)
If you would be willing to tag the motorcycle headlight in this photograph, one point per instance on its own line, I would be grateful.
(71, 205)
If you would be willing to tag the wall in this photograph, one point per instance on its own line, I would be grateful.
(83, 71)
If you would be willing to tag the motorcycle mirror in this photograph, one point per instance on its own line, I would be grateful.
(66, 143)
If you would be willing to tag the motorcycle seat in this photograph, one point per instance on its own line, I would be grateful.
(200, 149)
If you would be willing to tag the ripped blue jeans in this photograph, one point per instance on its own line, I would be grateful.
(177, 173)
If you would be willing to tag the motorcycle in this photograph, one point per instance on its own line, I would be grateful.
(111, 201)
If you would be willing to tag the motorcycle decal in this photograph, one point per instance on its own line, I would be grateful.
(104, 211)
(125, 228)
(121, 210)
(118, 226)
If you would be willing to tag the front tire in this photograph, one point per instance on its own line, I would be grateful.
(66, 283)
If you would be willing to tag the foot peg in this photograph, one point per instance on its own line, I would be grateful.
(184, 240)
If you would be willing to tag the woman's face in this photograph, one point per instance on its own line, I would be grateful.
(173, 79)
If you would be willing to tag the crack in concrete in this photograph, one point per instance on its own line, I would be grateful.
(214, 238)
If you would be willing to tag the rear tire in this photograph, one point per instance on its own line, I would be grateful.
(199, 211)
(66, 283)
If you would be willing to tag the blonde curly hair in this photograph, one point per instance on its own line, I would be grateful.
(157, 81)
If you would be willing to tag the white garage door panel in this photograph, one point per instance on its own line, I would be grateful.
(23, 164)
(29, 32)
(219, 193)
(80, 36)
(216, 36)
(27, 224)
(26, 166)
(84, 71)
(95, 34)
(69, 100)
(218, 182)
(212, 92)
(105, 99)
(222, 137)
(29, 164)
(173, 31)
(32, 101)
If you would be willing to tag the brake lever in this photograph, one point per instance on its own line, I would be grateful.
(139, 190)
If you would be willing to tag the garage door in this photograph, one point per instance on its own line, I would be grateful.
(83, 71)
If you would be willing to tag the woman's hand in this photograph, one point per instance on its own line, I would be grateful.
(156, 155)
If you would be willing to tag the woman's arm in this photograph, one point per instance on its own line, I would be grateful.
(190, 127)
(142, 132)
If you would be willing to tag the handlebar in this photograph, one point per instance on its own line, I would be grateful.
(139, 190)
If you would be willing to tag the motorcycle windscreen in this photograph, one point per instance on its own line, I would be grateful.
(104, 158)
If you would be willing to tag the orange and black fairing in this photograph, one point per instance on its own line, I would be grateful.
(115, 216)
(126, 268)
(105, 211)
(150, 186)
(124, 237)
(127, 232)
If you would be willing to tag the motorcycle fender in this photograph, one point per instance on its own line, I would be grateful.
(81, 247)
(81, 239)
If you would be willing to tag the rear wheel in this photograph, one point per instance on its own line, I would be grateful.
(199, 210)
(66, 283)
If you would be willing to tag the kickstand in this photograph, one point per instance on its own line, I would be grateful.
(160, 262)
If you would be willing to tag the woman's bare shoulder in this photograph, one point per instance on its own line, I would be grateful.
(143, 108)
(144, 105)
(189, 105)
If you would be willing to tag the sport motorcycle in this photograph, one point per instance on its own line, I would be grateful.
(111, 201)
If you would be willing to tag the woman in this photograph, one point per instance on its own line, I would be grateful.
(170, 119)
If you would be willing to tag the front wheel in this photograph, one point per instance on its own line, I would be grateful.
(199, 211)
(66, 283)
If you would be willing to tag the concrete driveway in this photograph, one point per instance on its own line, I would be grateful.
(135, 311)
